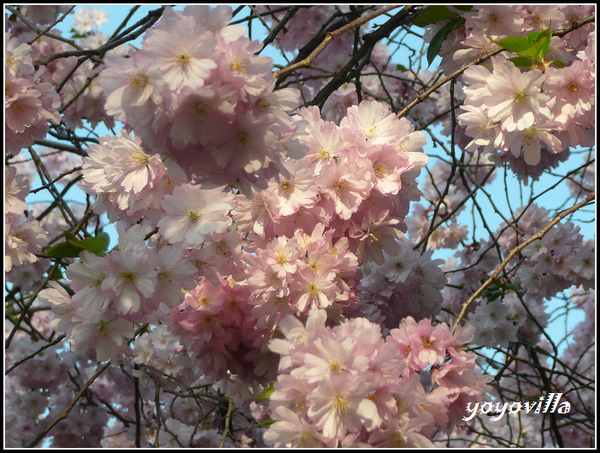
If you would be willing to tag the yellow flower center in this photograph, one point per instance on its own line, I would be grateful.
(139, 81)
(192, 217)
(520, 96)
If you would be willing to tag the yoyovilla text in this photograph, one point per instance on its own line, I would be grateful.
(546, 404)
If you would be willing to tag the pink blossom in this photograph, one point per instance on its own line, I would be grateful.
(331, 355)
(346, 186)
(296, 190)
(373, 120)
(529, 142)
(16, 188)
(339, 405)
(132, 82)
(314, 289)
(184, 52)
(106, 335)
(515, 98)
(292, 431)
(87, 19)
(131, 277)
(194, 213)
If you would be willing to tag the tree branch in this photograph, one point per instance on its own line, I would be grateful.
(516, 250)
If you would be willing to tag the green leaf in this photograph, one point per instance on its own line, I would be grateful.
(72, 247)
(267, 423)
(436, 42)
(558, 63)
(58, 275)
(514, 286)
(432, 14)
(522, 62)
(97, 245)
(463, 7)
(514, 43)
(493, 297)
(64, 250)
(540, 43)
(266, 393)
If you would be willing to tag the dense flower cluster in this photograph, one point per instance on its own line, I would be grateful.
(30, 102)
(207, 102)
(531, 113)
(348, 386)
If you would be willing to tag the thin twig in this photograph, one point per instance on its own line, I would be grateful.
(60, 19)
(330, 37)
(65, 413)
(516, 250)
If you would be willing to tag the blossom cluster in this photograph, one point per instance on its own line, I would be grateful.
(531, 114)
(24, 237)
(208, 102)
(358, 179)
(62, 90)
(347, 386)
(556, 262)
(30, 102)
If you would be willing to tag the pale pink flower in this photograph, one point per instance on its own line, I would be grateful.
(529, 142)
(184, 51)
(388, 166)
(291, 391)
(572, 90)
(515, 98)
(132, 82)
(60, 302)
(106, 335)
(87, 277)
(131, 277)
(194, 213)
(400, 433)
(376, 235)
(133, 167)
(296, 190)
(374, 120)
(86, 19)
(292, 431)
(241, 67)
(17, 58)
(216, 20)
(324, 140)
(496, 20)
(281, 256)
(346, 186)
(297, 335)
(485, 132)
(340, 405)
(23, 238)
(16, 188)
(398, 267)
(174, 273)
(248, 144)
(24, 111)
(256, 214)
(201, 114)
(314, 289)
(332, 355)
